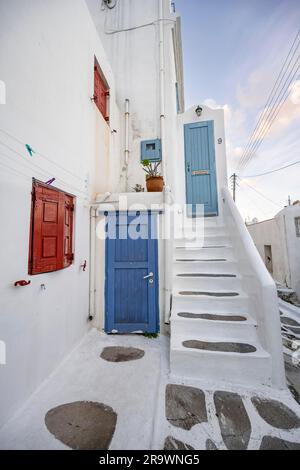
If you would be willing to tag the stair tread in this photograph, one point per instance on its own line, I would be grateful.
(211, 294)
(178, 340)
(208, 275)
(213, 317)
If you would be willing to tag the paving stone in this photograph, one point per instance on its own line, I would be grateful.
(185, 406)
(173, 444)
(210, 445)
(276, 414)
(82, 425)
(234, 421)
(220, 347)
(289, 321)
(274, 443)
(121, 354)
(293, 376)
(296, 331)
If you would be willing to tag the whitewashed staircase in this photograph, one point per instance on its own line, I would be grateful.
(213, 337)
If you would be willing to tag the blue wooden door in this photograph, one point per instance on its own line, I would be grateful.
(201, 181)
(132, 274)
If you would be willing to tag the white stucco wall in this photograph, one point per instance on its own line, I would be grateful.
(280, 233)
(291, 244)
(268, 233)
(47, 63)
(134, 56)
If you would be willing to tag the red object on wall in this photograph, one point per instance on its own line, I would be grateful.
(101, 93)
(51, 234)
(22, 283)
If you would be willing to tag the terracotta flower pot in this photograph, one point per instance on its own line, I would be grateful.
(155, 184)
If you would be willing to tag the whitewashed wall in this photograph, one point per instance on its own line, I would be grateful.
(280, 233)
(134, 56)
(47, 63)
(268, 233)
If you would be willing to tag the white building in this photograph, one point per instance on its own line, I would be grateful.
(278, 243)
(92, 88)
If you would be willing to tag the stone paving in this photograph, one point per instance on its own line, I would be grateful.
(185, 408)
(114, 392)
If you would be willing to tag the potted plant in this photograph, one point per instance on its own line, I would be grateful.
(154, 180)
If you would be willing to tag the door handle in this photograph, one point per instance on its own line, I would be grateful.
(149, 276)
(188, 167)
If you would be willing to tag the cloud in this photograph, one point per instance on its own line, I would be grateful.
(284, 113)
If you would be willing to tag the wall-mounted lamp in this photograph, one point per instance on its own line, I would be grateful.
(198, 111)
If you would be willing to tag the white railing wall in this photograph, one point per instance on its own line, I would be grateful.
(259, 285)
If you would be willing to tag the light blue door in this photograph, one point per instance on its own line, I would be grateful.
(131, 290)
(201, 181)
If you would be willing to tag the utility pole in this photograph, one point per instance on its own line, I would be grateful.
(233, 179)
(290, 202)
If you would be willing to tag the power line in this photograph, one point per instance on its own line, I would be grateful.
(261, 194)
(274, 89)
(267, 125)
(274, 171)
(254, 204)
(41, 155)
(39, 168)
(269, 112)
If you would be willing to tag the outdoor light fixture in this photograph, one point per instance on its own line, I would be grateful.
(199, 111)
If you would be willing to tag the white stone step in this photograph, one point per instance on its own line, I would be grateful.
(208, 303)
(213, 366)
(215, 252)
(191, 232)
(206, 281)
(214, 325)
(209, 240)
(211, 267)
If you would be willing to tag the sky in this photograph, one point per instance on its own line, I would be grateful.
(233, 53)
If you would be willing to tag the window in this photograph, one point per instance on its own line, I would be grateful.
(51, 229)
(101, 92)
(297, 223)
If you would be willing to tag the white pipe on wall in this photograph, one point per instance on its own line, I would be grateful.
(162, 85)
(93, 217)
(127, 116)
(167, 191)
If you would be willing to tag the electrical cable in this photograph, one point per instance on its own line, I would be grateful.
(273, 171)
(268, 112)
(40, 169)
(273, 91)
(41, 155)
(273, 115)
(261, 194)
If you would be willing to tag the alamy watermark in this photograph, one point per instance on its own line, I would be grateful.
(132, 222)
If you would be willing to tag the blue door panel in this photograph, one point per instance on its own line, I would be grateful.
(131, 301)
(201, 181)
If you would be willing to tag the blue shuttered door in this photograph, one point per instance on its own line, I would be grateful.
(201, 181)
(132, 300)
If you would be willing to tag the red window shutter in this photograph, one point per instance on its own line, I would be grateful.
(47, 240)
(101, 93)
(68, 230)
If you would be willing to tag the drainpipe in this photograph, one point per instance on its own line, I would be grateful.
(167, 191)
(127, 116)
(162, 85)
(93, 217)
